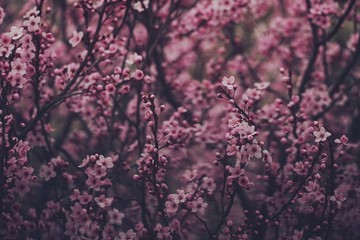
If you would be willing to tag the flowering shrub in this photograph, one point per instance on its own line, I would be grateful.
(179, 119)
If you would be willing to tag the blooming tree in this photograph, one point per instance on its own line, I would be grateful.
(179, 119)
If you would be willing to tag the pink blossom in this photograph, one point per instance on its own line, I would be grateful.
(97, 3)
(6, 46)
(92, 181)
(16, 79)
(208, 184)
(138, 74)
(15, 33)
(98, 171)
(298, 235)
(47, 172)
(103, 202)
(262, 86)
(311, 186)
(139, 122)
(266, 156)
(198, 206)
(115, 217)
(315, 100)
(22, 187)
(58, 161)
(84, 162)
(25, 173)
(110, 88)
(75, 195)
(180, 197)
(321, 135)
(252, 94)
(189, 175)
(85, 198)
(343, 140)
(129, 235)
(251, 150)
(141, 5)
(77, 211)
(300, 168)
(163, 233)
(76, 38)
(245, 182)
(106, 162)
(18, 67)
(236, 171)
(231, 150)
(32, 24)
(338, 198)
(134, 58)
(228, 82)
(32, 12)
(171, 206)
(124, 89)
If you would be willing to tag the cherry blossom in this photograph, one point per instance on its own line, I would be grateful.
(21, 187)
(97, 171)
(321, 135)
(343, 140)
(163, 232)
(179, 119)
(245, 182)
(6, 46)
(262, 86)
(141, 5)
(75, 195)
(208, 185)
(103, 202)
(199, 206)
(18, 67)
(228, 82)
(251, 150)
(171, 206)
(32, 12)
(138, 74)
(180, 197)
(130, 234)
(338, 197)
(47, 172)
(25, 173)
(236, 171)
(115, 217)
(77, 211)
(16, 33)
(32, 24)
(134, 58)
(300, 168)
(105, 162)
(84, 198)
(76, 38)
(85, 161)
(266, 156)
(298, 234)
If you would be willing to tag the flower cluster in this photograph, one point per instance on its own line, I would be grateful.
(179, 119)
